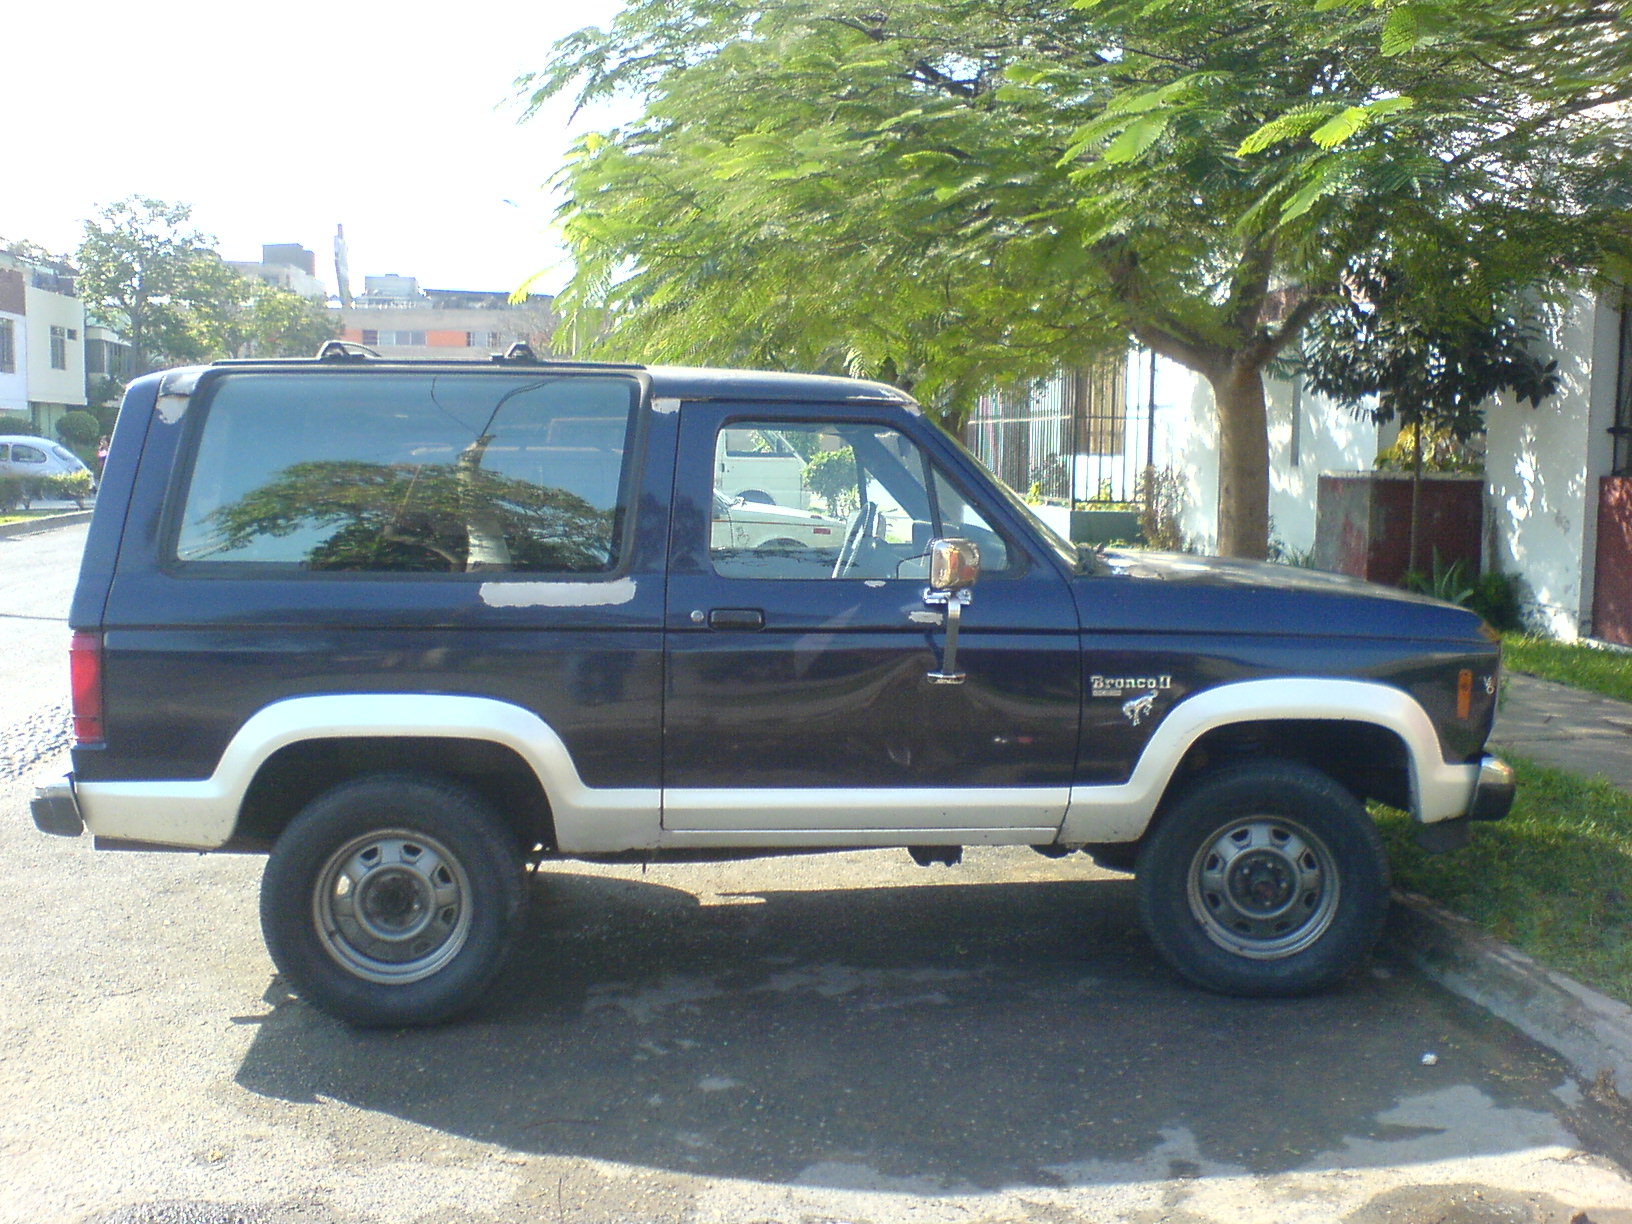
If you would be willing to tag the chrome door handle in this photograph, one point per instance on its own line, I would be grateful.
(736, 618)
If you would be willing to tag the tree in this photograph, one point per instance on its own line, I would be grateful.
(275, 322)
(1431, 364)
(147, 272)
(952, 194)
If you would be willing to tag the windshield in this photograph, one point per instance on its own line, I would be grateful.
(1066, 550)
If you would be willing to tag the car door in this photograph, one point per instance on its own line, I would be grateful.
(798, 689)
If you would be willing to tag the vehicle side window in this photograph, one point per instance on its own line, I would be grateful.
(841, 500)
(26, 454)
(410, 473)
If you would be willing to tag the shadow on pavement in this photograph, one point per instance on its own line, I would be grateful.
(970, 1035)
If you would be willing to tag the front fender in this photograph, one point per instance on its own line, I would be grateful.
(1121, 812)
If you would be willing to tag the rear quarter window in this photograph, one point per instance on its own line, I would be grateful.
(413, 472)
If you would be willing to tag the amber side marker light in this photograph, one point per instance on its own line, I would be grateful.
(85, 680)
(1464, 692)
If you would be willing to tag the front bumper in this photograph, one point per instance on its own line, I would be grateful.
(1493, 794)
(55, 807)
(1491, 799)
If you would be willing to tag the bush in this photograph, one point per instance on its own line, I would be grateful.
(1497, 598)
(1448, 582)
(79, 428)
(11, 423)
(75, 486)
(831, 475)
(16, 491)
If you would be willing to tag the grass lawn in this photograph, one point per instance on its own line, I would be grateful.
(1608, 672)
(1554, 879)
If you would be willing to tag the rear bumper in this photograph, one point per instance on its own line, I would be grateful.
(1493, 794)
(55, 808)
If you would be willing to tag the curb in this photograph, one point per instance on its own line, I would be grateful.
(1589, 1031)
(30, 526)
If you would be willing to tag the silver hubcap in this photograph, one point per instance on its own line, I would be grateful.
(392, 906)
(1263, 888)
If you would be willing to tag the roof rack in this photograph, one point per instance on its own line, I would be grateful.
(344, 350)
(520, 353)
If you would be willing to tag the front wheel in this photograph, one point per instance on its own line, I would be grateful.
(392, 900)
(1264, 879)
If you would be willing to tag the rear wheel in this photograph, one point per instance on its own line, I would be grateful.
(1264, 879)
(393, 900)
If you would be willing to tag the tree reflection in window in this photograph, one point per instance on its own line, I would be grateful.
(421, 518)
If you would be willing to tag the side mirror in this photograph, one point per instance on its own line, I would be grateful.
(953, 564)
(953, 567)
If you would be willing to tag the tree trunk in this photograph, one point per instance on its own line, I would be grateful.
(1414, 562)
(1243, 461)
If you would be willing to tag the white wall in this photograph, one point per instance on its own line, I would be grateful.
(46, 385)
(1542, 467)
(1327, 438)
(14, 386)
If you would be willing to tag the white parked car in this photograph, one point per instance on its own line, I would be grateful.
(36, 460)
(759, 465)
(21, 455)
(748, 524)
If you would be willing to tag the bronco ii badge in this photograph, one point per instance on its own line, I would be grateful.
(1137, 705)
(1136, 708)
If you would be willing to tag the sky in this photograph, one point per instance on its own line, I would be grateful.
(276, 122)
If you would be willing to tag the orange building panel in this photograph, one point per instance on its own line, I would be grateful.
(446, 339)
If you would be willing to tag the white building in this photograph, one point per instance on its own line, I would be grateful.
(1558, 514)
(42, 341)
(287, 265)
(395, 317)
(1558, 477)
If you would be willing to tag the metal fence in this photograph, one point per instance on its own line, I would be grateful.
(1071, 437)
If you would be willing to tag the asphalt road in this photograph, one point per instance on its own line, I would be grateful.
(37, 574)
(826, 1038)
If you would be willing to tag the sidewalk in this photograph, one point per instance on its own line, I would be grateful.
(1587, 735)
(63, 514)
(1566, 728)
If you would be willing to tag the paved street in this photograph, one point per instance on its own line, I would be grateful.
(37, 574)
(824, 1038)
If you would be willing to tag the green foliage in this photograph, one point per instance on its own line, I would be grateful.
(1553, 878)
(1448, 582)
(10, 423)
(148, 273)
(75, 486)
(104, 394)
(1582, 666)
(274, 322)
(1442, 451)
(950, 196)
(1497, 599)
(17, 491)
(79, 428)
(1427, 346)
(831, 475)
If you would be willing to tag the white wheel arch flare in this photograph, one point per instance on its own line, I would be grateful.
(202, 813)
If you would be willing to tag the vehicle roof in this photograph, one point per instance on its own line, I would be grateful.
(32, 438)
(667, 382)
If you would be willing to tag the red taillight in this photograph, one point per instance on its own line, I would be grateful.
(85, 678)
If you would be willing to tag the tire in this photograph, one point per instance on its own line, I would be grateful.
(1264, 879)
(443, 896)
